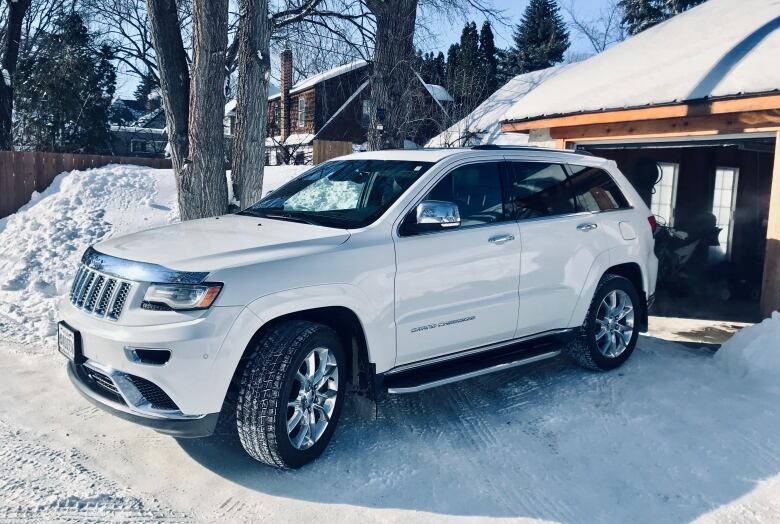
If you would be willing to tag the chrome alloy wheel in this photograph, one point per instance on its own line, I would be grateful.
(614, 323)
(312, 398)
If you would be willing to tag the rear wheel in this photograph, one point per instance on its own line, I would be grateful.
(608, 336)
(291, 393)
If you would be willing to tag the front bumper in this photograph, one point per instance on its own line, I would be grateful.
(125, 406)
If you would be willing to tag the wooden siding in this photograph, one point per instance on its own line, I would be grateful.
(22, 172)
(327, 149)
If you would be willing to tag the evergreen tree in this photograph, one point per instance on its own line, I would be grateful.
(146, 90)
(439, 69)
(453, 66)
(65, 95)
(541, 38)
(489, 59)
(639, 15)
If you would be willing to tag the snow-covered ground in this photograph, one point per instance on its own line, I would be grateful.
(673, 436)
(41, 244)
(676, 435)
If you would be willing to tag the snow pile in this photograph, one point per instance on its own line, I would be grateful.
(754, 353)
(41, 244)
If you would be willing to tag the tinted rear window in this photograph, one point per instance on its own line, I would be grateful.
(595, 190)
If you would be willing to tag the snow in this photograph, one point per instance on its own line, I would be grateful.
(720, 48)
(438, 92)
(298, 139)
(669, 437)
(483, 125)
(42, 243)
(313, 80)
(753, 354)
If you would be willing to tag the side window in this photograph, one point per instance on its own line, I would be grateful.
(476, 189)
(538, 189)
(595, 190)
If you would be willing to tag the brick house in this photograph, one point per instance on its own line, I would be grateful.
(326, 115)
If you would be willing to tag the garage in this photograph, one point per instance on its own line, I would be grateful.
(690, 112)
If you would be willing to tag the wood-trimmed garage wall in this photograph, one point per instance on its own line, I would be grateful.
(736, 116)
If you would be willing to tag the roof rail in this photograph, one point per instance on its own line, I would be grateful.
(494, 147)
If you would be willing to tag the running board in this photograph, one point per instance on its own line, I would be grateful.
(435, 376)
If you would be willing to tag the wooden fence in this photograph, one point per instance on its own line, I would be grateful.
(22, 172)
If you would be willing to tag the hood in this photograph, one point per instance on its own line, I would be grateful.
(209, 244)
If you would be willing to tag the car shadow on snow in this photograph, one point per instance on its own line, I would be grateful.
(668, 437)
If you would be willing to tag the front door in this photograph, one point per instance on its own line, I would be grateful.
(456, 288)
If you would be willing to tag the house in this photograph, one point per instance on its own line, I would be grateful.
(482, 126)
(698, 96)
(327, 114)
(145, 136)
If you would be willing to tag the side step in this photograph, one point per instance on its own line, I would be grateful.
(434, 376)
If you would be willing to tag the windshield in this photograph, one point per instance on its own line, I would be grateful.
(342, 193)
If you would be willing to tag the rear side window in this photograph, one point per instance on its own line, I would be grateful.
(538, 189)
(595, 190)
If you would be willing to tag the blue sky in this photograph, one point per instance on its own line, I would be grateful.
(513, 10)
(449, 31)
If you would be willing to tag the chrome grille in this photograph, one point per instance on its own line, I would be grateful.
(103, 295)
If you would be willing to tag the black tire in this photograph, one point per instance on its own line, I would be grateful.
(265, 387)
(584, 349)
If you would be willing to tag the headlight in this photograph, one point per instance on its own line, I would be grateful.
(180, 297)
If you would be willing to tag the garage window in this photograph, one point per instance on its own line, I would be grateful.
(724, 200)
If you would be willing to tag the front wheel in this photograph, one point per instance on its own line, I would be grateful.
(609, 334)
(291, 393)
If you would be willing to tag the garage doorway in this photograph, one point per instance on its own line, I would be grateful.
(711, 199)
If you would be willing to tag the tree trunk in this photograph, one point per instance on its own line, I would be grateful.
(13, 34)
(174, 81)
(203, 189)
(392, 78)
(254, 65)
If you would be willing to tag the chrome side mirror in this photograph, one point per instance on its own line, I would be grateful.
(445, 214)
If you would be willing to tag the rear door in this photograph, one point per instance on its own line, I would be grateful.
(456, 288)
(560, 243)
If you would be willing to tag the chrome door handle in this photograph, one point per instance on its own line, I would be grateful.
(587, 226)
(501, 239)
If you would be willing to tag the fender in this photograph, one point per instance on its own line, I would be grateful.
(378, 326)
(597, 269)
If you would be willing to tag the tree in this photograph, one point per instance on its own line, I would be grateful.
(541, 38)
(251, 110)
(643, 14)
(203, 185)
(602, 30)
(64, 98)
(392, 82)
(173, 71)
(10, 56)
(488, 58)
(146, 90)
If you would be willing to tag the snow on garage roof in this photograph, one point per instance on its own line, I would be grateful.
(482, 126)
(721, 48)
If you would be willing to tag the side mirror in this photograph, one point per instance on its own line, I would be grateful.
(438, 212)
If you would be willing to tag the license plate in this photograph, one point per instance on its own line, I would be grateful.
(66, 341)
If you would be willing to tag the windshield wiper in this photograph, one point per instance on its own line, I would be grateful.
(289, 217)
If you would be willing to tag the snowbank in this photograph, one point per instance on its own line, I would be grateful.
(754, 353)
(41, 244)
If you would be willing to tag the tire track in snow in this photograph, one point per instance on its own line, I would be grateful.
(42, 484)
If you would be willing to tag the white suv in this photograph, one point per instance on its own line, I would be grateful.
(386, 272)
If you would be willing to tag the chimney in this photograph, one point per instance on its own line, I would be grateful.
(284, 125)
